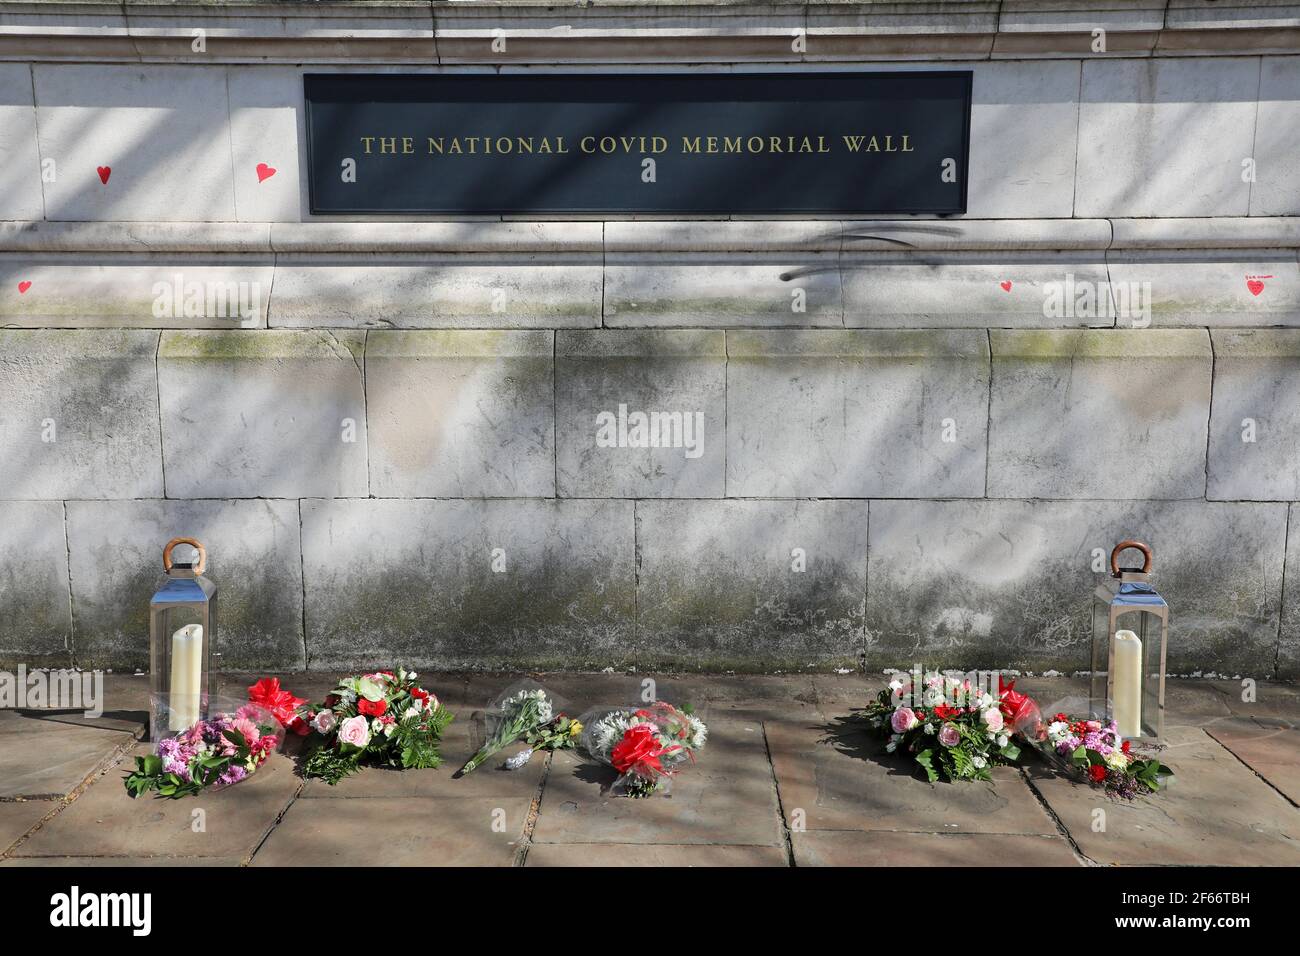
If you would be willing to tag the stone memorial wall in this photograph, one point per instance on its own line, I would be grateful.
(718, 443)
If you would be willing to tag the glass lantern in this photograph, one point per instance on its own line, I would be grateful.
(182, 627)
(1130, 638)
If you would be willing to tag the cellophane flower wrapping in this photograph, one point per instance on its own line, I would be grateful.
(524, 711)
(212, 754)
(951, 728)
(646, 745)
(384, 718)
(1091, 749)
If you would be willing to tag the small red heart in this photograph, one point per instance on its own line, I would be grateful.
(264, 172)
(1006, 285)
(24, 286)
(104, 173)
(1255, 286)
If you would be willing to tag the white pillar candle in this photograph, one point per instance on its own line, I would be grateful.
(187, 674)
(1126, 684)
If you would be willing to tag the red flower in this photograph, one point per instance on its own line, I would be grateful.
(1125, 746)
(371, 708)
(282, 705)
(943, 711)
(419, 693)
(1097, 772)
(639, 749)
(1017, 708)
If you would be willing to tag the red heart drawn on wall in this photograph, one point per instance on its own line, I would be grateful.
(104, 173)
(1255, 286)
(1006, 285)
(24, 286)
(264, 172)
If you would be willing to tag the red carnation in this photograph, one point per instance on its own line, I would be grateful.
(373, 708)
(1097, 772)
(638, 749)
(1125, 746)
(419, 693)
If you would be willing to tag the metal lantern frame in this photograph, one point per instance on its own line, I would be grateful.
(1129, 597)
(185, 595)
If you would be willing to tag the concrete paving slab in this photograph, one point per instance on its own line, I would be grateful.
(887, 848)
(727, 797)
(105, 821)
(1216, 812)
(19, 816)
(841, 779)
(48, 758)
(81, 862)
(1272, 752)
(615, 854)
(471, 831)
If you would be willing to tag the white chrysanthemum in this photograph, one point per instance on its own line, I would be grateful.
(698, 733)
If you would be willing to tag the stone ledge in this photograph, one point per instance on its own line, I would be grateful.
(676, 32)
(591, 238)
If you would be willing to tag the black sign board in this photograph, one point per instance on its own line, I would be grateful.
(704, 143)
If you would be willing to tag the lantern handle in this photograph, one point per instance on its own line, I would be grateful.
(1124, 546)
(193, 542)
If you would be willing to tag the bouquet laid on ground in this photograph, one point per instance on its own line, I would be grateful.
(646, 745)
(221, 750)
(952, 729)
(1094, 750)
(379, 719)
(525, 715)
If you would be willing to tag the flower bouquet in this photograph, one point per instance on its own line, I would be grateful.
(1094, 750)
(528, 715)
(212, 754)
(647, 745)
(382, 719)
(951, 728)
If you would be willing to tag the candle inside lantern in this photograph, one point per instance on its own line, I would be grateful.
(187, 675)
(1126, 684)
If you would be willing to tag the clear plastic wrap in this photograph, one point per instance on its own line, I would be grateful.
(647, 745)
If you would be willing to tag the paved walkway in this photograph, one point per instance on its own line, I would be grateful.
(782, 781)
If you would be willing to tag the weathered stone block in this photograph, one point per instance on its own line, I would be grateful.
(461, 414)
(1024, 119)
(1166, 136)
(752, 585)
(749, 289)
(267, 122)
(117, 290)
(1236, 287)
(253, 556)
(857, 414)
(274, 414)
(1276, 190)
(21, 194)
(79, 414)
(1092, 414)
(1000, 584)
(974, 289)
(160, 131)
(35, 610)
(1255, 425)
(415, 291)
(1288, 652)
(458, 584)
(640, 414)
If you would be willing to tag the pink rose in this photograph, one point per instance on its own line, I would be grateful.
(324, 721)
(992, 719)
(354, 731)
(903, 720)
(948, 735)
